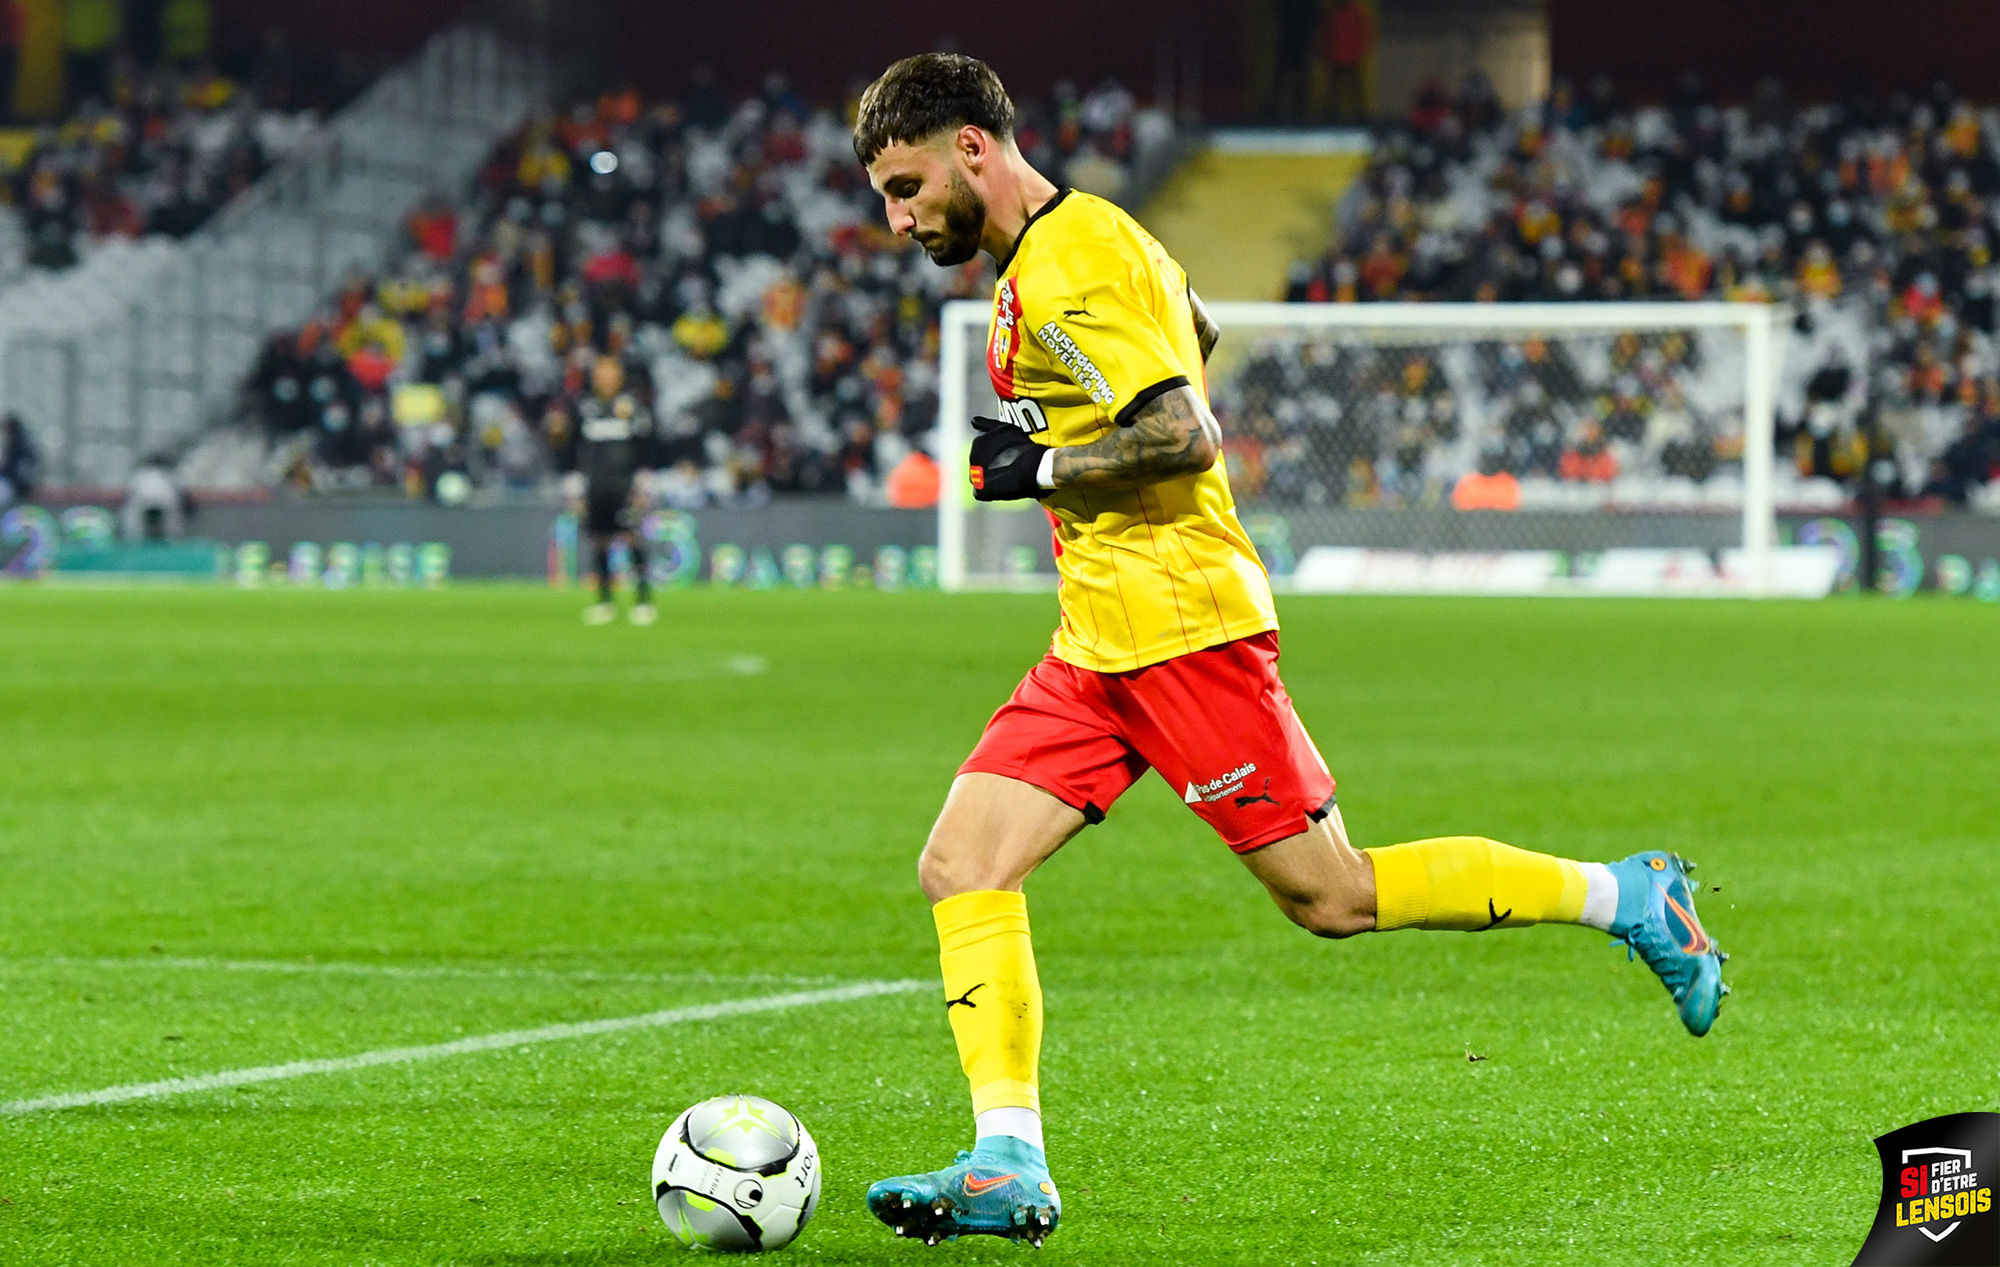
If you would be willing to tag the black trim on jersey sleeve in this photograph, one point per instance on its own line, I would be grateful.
(1130, 412)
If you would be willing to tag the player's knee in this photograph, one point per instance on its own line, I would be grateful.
(944, 872)
(933, 872)
(1329, 917)
(952, 863)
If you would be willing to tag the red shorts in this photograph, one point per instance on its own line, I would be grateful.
(1216, 724)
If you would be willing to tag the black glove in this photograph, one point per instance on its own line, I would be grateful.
(1004, 462)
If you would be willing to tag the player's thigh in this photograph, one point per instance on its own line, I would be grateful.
(992, 834)
(1318, 878)
(1219, 727)
(1050, 761)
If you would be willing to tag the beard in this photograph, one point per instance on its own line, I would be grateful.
(964, 225)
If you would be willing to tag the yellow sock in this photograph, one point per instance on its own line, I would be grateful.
(1471, 883)
(992, 995)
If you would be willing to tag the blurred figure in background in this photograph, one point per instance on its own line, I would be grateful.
(1347, 36)
(153, 509)
(90, 34)
(914, 482)
(1291, 85)
(20, 461)
(184, 31)
(1491, 487)
(10, 55)
(613, 483)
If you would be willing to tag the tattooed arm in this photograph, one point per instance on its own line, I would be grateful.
(1206, 332)
(1172, 435)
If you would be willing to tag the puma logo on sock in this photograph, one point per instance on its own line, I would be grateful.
(965, 1000)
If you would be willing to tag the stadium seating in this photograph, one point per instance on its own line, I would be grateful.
(1873, 219)
(162, 155)
(142, 347)
(731, 254)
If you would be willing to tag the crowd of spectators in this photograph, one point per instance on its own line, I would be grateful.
(1872, 216)
(730, 255)
(151, 143)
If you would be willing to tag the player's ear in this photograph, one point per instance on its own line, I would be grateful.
(972, 146)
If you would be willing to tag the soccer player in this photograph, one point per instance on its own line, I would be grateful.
(1167, 654)
(615, 456)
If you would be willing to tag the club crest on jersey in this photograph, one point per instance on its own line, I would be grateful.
(1006, 340)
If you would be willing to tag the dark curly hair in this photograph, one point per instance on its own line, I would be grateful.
(921, 96)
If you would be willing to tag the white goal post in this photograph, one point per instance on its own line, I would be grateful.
(1621, 436)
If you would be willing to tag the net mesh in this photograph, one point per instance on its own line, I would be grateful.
(1453, 438)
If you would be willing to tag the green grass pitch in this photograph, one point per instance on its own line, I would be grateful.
(239, 829)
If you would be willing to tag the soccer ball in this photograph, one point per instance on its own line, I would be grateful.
(736, 1173)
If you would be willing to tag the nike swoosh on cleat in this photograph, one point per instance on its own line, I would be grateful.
(1698, 936)
(975, 1185)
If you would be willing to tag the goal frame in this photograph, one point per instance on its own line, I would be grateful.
(962, 336)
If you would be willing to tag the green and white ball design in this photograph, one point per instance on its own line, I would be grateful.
(736, 1173)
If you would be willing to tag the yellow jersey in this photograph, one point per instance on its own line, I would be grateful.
(1091, 322)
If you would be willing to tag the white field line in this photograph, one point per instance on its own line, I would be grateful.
(346, 968)
(459, 1047)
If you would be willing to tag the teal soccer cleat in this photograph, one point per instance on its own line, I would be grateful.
(1656, 919)
(1000, 1188)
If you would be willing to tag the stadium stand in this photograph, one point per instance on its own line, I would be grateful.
(1874, 220)
(731, 254)
(158, 152)
(139, 350)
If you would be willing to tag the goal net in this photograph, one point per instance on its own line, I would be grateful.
(1456, 448)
